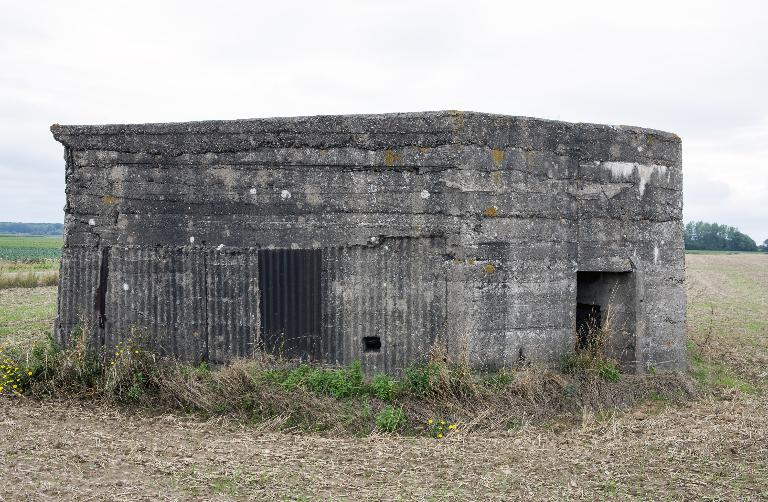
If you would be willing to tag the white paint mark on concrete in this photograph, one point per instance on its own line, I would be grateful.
(191, 240)
(646, 171)
(424, 194)
(619, 169)
(126, 287)
(655, 254)
(91, 222)
(623, 170)
(285, 194)
(252, 191)
(219, 247)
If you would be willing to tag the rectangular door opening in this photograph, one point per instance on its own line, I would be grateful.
(290, 302)
(606, 314)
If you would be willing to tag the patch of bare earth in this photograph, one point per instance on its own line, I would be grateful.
(706, 450)
(712, 448)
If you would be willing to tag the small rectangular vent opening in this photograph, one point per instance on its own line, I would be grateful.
(371, 344)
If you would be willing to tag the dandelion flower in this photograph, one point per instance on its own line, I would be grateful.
(29, 373)
(452, 426)
(439, 436)
(430, 421)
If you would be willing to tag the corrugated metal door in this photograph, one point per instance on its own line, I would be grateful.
(290, 303)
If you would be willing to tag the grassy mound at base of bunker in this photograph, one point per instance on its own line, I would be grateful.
(437, 398)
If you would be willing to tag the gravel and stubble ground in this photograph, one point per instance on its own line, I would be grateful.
(713, 448)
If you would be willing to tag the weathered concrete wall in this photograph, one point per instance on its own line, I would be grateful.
(454, 228)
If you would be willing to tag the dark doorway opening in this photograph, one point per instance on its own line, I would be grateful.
(290, 301)
(606, 313)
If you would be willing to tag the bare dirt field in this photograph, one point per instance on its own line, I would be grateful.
(713, 448)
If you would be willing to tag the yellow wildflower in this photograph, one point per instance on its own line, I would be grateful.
(439, 436)
(452, 426)
(29, 373)
(430, 421)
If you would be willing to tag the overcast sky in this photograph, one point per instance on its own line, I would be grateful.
(699, 69)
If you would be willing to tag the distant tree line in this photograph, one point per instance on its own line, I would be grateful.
(31, 228)
(716, 237)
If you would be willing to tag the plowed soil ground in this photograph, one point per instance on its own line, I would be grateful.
(713, 448)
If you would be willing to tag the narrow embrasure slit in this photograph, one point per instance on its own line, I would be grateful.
(101, 293)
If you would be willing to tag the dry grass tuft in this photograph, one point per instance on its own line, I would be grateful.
(30, 279)
(334, 401)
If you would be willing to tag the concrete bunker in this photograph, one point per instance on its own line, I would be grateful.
(375, 238)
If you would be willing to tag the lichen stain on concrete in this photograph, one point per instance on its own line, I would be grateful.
(498, 157)
(458, 119)
(390, 158)
(489, 268)
(313, 197)
(491, 212)
(424, 149)
(496, 178)
(529, 158)
(108, 200)
(227, 177)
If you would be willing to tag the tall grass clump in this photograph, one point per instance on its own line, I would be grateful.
(590, 355)
(390, 419)
(31, 279)
(119, 375)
